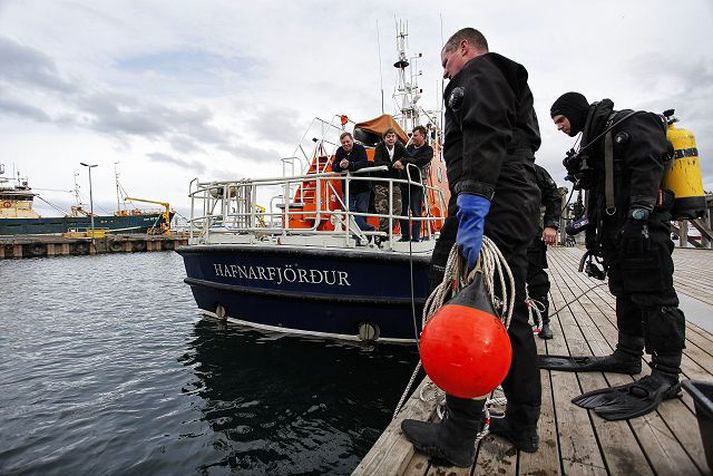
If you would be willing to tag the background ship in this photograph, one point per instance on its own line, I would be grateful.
(17, 216)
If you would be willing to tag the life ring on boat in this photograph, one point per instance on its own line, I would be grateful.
(6, 204)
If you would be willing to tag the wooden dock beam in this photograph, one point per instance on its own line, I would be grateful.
(55, 245)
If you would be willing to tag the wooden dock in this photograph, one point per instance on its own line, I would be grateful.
(36, 246)
(574, 440)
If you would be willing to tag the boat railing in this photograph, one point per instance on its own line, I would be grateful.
(223, 208)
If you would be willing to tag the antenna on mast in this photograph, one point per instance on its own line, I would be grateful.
(443, 82)
(407, 93)
(116, 180)
(76, 190)
(381, 74)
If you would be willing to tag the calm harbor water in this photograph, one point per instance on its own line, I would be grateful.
(107, 368)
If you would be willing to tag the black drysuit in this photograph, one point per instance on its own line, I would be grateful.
(538, 283)
(647, 304)
(491, 134)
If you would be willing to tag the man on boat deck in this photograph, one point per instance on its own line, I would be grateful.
(491, 135)
(389, 151)
(352, 157)
(629, 215)
(419, 156)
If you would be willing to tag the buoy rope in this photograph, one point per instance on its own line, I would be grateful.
(535, 308)
(491, 263)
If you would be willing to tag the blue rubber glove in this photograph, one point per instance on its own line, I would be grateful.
(472, 210)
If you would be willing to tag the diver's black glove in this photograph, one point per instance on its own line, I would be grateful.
(634, 237)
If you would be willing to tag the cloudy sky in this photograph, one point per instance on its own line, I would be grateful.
(222, 89)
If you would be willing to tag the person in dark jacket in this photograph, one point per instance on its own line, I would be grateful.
(491, 135)
(627, 153)
(388, 152)
(352, 157)
(538, 283)
(419, 156)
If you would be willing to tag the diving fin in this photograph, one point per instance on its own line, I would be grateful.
(609, 363)
(630, 400)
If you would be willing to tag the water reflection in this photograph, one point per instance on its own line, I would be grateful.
(286, 405)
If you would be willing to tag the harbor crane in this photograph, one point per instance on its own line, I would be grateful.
(164, 228)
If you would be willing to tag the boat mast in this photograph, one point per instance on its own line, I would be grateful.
(116, 180)
(407, 93)
(76, 190)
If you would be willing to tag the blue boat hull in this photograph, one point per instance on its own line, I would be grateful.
(56, 225)
(314, 291)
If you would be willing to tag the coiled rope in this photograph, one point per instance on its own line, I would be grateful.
(495, 270)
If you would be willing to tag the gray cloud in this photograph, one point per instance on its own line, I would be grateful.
(193, 165)
(10, 106)
(112, 113)
(184, 144)
(189, 62)
(248, 152)
(277, 124)
(24, 65)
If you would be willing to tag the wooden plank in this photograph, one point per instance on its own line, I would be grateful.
(577, 440)
(420, 463)
(418, 466)
(620, 452)
(496, 456)
(546, 460)
(668, 445)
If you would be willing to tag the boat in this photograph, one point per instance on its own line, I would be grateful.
(300, 264)
(17, 216)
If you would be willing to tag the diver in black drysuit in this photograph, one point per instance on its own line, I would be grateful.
(491, 134)
(630, 229)
(538, 282)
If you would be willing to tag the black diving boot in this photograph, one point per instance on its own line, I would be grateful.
(626, 359)
(453, 439)
(545, 332)
(519, 426)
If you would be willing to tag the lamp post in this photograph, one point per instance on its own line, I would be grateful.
(91, 197)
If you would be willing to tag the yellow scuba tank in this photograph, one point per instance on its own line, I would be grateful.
(683, 177)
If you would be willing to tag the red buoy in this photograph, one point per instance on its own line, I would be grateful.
(465, 348)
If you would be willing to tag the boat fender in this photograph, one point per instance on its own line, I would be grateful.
(167, 245)
(139, 246)
(465, 348)
(221, 313)
(115, 246)
(37, 249)
(368, 332)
